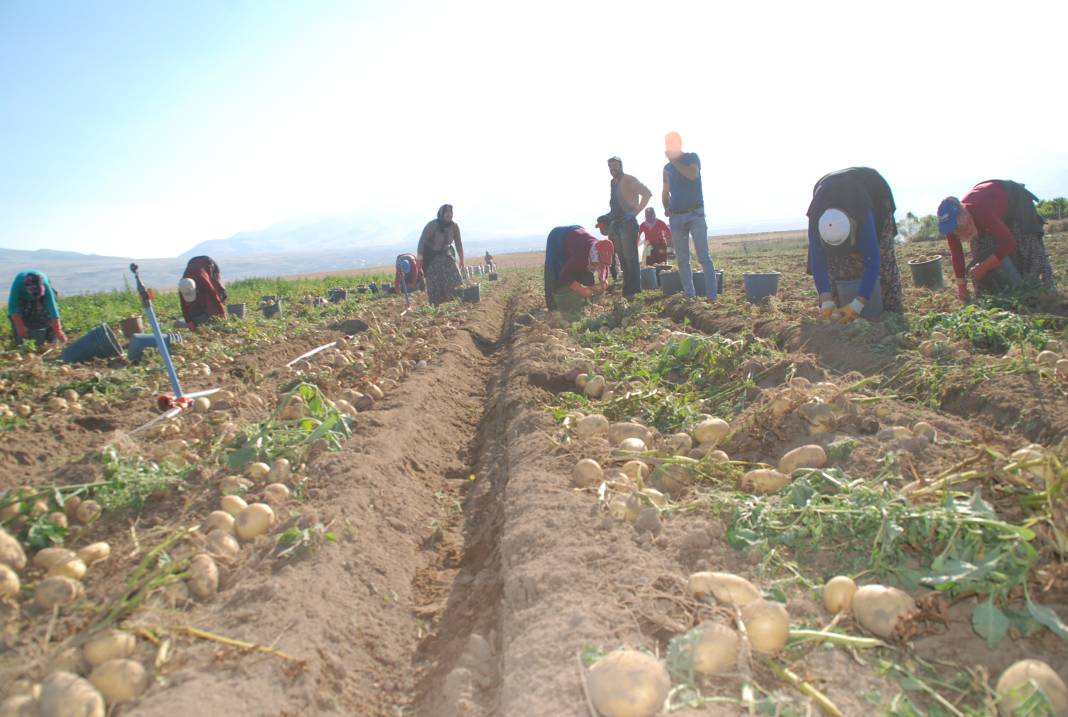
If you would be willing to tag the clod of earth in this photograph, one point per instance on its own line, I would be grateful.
(628, 683)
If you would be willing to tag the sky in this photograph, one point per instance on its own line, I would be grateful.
(142, 128)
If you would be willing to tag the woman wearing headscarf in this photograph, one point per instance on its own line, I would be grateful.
(439, 249)
(202, 292)
(408, 275)
(576, 267)
(33, 309)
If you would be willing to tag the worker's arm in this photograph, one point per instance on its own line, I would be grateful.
(665, 195)
(869, 249)
(956, 254)
(187, 313)
(667, 232)
(215, 301)
(690, 171)
(644, 195)
(459, 246)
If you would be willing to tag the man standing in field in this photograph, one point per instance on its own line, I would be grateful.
(657, 235)
(684, 204)
(628, 198)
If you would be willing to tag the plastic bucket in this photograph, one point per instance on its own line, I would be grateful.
(670, 282)
(847, 291)
(99, 342)
(492, 276)
(361, 289)
(272, 310)
(719, 281)
(760, 286)
(386, 288)
(1002, 277)
(135, 350)
(649, 278)
(470, 294)
(336, 296)
(927, 272)
(131, 325)
(237, 310)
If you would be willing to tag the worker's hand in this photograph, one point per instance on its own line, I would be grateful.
(20, 327)
(600, 289)
(984, 267)
(61, 337)
(851, 311)
(962, 290)
(827, 309)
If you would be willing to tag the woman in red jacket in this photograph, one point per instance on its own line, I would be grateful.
(576, 265)
(202, 292)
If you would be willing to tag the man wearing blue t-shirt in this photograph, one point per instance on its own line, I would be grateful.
(684, 204)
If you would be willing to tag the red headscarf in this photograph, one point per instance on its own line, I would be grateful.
(604, 249)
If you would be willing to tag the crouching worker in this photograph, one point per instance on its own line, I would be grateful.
(1004, 231)
(408, 275)
(657, 236)
(33, 309)
(576, 267)
(851, 232)
(202, 293)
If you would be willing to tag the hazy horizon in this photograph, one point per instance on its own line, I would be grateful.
(133, 129)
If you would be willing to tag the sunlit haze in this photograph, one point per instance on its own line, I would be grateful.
(143, 128)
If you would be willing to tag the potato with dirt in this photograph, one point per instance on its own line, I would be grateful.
(1017, 683)
(672, 479)
(203, 576)
(56, 590)
(628, 683)
(11, 553)
(587, 473)
(716, 649)
(9, 582)
(879, 609)
(119, 680)
(726, 588)
(255, 520)
(592, 425)
(67, 695)
(108, 645)
(810, 455)
(767, 624)
(763, 481)
(838, 594)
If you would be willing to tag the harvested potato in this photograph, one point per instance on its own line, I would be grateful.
(819, 416)
(120, 680)
(1015, 687)
(655, 497)
(780, 406)
(219, 520)
(73, 568)
(716, 650)
(59, 519)
(57, 404)
(201, 405)
(223, 544)
(253, 521)
(807, 456)
(70, 660)
(276, 493)
(67, 695)
(711, 432)
(203, 576)
(727, 588)
(632, 445)
(618, 432)
(1062, 369)
(45, 558)
(593, 425)
(108, 645)
(679, 443)
(587, 473)
(257, 470)
(594, 387)
(894, 433)
(636, 470)
(11, 553)
(20, 706)
(233, 504)
(581, 380)
(56, 590)
(925, 429)
(768, 626)
(879, 608)
(9, 582)
(70, 507)
(939, 336)
(234, 485)
(628, 683)
(838, 594)
(763, 481)
(280, 470)
(671, 479)
(88, 511)
(1048, 358)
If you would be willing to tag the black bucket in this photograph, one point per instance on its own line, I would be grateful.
(99, 342)
(336, 296)
(470, 294)
(927, 272)
(272, 310)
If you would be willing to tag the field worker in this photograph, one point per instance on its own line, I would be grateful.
(999, 221)
(33, 309)
(626, 200)
(488, 261)
(439, 249)
(684, 205)
(576, 267)
(603, 223)
(202, 293)
(408, 275)
(656, 235)
(851, 232)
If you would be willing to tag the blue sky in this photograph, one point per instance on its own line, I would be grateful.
(142, 128)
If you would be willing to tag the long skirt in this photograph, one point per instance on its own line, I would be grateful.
(442, 278)
(851, 266)
(1030, 257)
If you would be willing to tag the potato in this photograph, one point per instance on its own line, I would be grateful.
(594, 387)
(57, 404)
(763, 481)
(727, 588)
(24, 410)
(45, 558)
(1015, 687)
(636, 470)
(56, 590)
(253, 521)
(878, 608)
(219, 520)
(234, 485)
(375, 392)
(587, 473)
(593, 425)
(925, 429)
(203, 576)
(201, 405)
(120, 680)
(819, 415)
(678, 443)
(67, 695)
(9, 582)
(716, 650)
(73, 568)
(768, 626)
(1045, 358)
(233, 504)
(581, 380)
(711, 431)
(838, 594)
(1062, 369)
(276, 493)
(632, 445)
(807, 456)
(257, 470)
(671, 479)
(70, 660)
(628, 683)
(939, 336)
(223, 544)
(88, 511)
(108, 645)
(20, 706)
(11, 553)
(280, 470)
(618, 432)
(59, 519)
(780, 406)
(70, 507)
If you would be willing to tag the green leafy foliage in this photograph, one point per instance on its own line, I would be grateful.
(130, 482)
(988, 329)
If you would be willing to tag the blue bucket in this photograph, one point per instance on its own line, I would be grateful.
(670, 282)
(135, 350)
(758, 287)
(99, 342)
(847, 291)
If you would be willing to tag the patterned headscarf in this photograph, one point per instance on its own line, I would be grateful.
(442, 221)
(602, 252)
(34, 286)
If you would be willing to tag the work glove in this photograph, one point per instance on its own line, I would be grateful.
(20, 327)
(57, 330)
(962, 290)
(851, 311)
(581, 290)
(984, 267)
(827, 309)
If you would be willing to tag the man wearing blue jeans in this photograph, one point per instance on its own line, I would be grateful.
(627, 200)
(684, 204)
